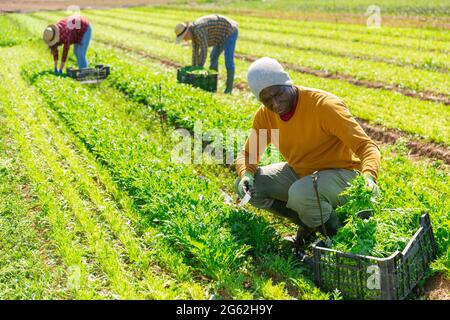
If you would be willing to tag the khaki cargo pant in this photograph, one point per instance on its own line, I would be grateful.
(279, 181)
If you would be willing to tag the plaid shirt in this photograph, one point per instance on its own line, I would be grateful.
(70, 32)
(209, 31)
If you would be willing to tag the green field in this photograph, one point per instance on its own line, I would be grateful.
(92, 205)
(402, 7)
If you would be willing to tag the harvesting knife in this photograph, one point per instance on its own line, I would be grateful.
(245, 200)
(247, 196)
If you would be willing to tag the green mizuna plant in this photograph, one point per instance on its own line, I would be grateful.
(231, 253)
(218, 241)
(379, 235)
(12, 32)
(402, 112)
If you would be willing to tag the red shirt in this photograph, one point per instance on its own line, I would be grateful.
(71, 31)
(289, 115)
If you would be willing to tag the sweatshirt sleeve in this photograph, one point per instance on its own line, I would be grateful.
(250, 155)
(337, 121)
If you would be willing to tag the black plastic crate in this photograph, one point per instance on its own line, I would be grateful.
(207, 82)
(89, 75)
(370, 278)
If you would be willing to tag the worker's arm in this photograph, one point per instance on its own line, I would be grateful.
(55, 56)
(337, 120)
(195, 49)
(64, 55)
(248, 158)
(200, 48)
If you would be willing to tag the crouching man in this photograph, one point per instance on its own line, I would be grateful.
(316, 132)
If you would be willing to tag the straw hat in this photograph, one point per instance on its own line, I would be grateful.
(180, 31)
(51, 35)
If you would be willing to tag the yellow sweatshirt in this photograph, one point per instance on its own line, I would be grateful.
(322, 134)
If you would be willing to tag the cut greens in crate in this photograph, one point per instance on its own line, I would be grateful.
(198, 71)
(200, 77)
(379, 233)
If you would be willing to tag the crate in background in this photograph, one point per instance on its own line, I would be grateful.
(89, 75)
(205, 79)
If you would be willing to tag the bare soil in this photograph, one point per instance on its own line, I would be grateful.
(437, 288)
(39, 5)
(417, 147)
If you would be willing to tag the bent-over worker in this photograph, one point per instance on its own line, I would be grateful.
(74, 30)
(213, 30)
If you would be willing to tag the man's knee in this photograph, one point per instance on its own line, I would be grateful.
(303, 200)
(300, 194)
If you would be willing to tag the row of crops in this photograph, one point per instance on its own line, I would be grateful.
(397, 8)
(365, 103)
(410, 69)
(131, 223)
(211, 239)
(12, 33)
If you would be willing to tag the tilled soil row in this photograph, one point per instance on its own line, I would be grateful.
(355, 56)
(423, 148)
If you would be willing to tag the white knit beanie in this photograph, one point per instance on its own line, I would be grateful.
(266, 72)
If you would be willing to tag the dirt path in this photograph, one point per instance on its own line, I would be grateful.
(437, 288)
(38, 5)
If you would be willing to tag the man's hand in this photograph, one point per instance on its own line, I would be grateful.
(247, 182)
(372, 185)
